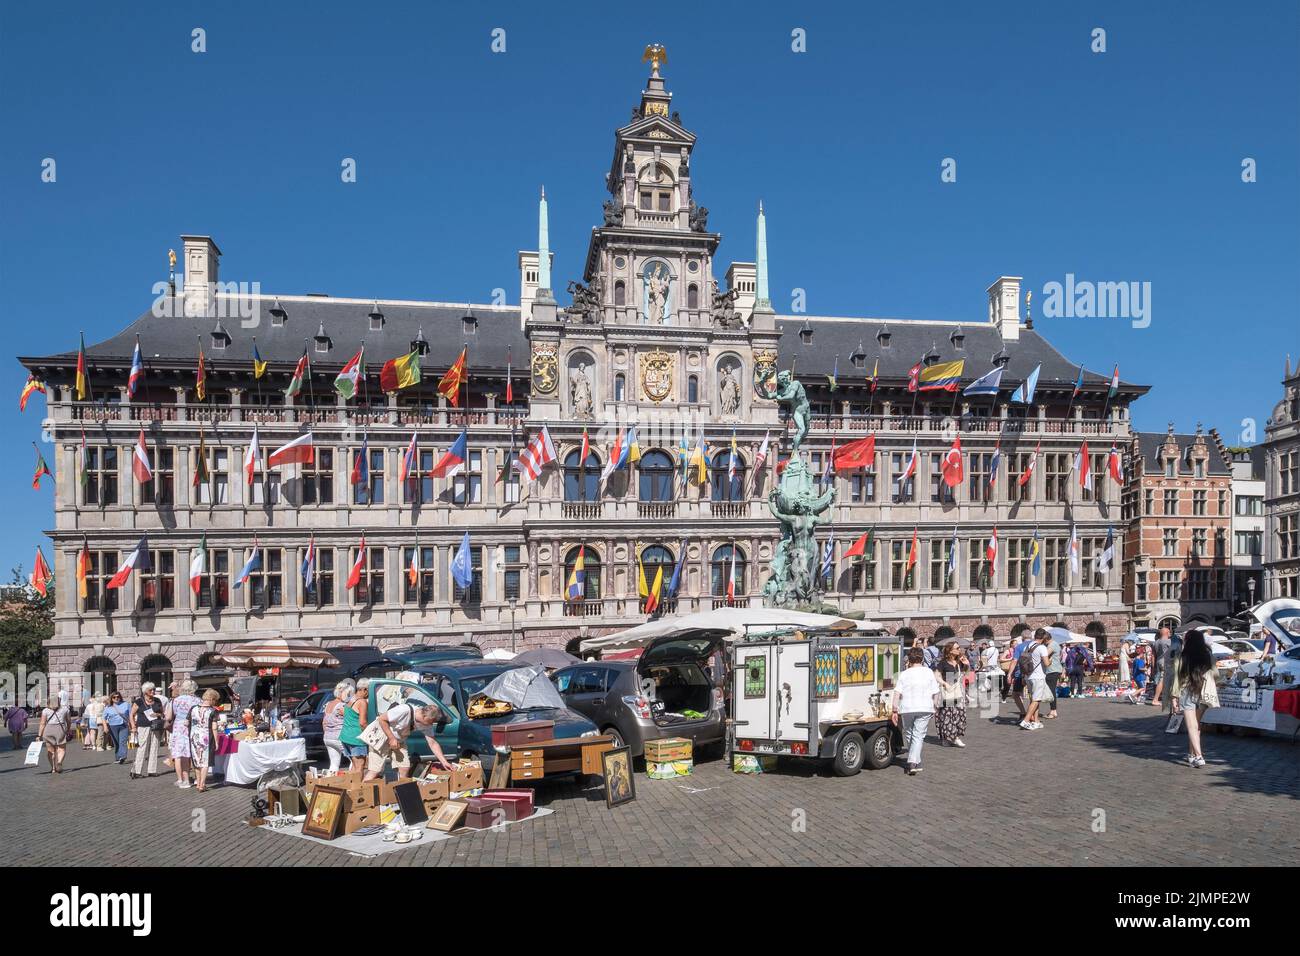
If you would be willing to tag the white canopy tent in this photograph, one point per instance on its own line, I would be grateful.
(731, 619)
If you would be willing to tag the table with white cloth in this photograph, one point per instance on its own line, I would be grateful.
(252, 759)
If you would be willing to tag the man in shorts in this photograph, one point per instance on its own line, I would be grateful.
(397, 724)
(1160, 673)
(1039, 691)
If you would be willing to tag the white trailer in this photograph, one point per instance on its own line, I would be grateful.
(821, 694)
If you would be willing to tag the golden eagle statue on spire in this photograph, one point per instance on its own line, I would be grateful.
(654, 55)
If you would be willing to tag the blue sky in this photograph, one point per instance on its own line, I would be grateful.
(1120, 166)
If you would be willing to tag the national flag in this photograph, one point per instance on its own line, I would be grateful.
(41, 469)
(510, 384)
(952, 554)
(1036, 555)
(676, 581)
(300, 451)
(987, 384)
(942, 376)
(951, 465)
(449, 385)
(828, 558)
(453, 459)
(251, 458)
(861, 547)
(259, 367)
(991, 552)
(1115, 464)
(300, 373)
(41, 575)
(761, 457)
(780, 465)
(586, 447)
(832, 379)
(656, 589)
(1078, 384)
(82, 385)
(1029, 468)
(413, 569)
(731, 578)
(137, 370)
(617, 457)
(911, 554)
(910, 468)
(633, 446)
(361, 463)
(855, 455)
(199, 564)
(354, 576)
(1074, 548)
(537, 454)
(642, 587)
(698, 462)
(1114, 384)
(1106, 559)
(138, 558)
(1084, 465)
(32, 386)
(875, 375)
(254, 563)
(410, 460)
(140, 465)
(731, 460)
(83, 467)
(201, 377)
(309, 565)
(577, 577)
(462, 565)
(83, 571)
(913, 376)
(1024, 393)
(994, 462)
(201, 473)
(345, 383)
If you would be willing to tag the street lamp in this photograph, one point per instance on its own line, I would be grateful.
(1250, 586)
(513, 602)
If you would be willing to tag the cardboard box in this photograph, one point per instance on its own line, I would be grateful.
(358, 819)
(436, 787)
(484, 813)
(290, 800)
(467, 776)
(668, 750)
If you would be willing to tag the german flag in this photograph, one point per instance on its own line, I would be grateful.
(449, 385)
(83, 380)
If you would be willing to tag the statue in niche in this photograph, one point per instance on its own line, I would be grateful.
(580, 391)
(656, 284)
(729, 391)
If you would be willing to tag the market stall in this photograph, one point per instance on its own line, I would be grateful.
(242, 762)
(730, 620)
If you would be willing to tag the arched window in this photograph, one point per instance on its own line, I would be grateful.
(590, 572)
(654, 559)
(103, 675)
(943, 632)
(1097, 631)
(158, 669)
(1018, 629)
(724, 570)
(206, 659)
(724, 487)
(906, 635)
(620, 292)
(656, 470)
(983, 632)
(692, 296)
(581, 479)
(620, 386)
(692, 388)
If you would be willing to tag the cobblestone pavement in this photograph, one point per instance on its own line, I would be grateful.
(1011, 797)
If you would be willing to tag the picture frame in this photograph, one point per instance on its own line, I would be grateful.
(325, 812)
(411, 804)
(448, 815)
(620, 782)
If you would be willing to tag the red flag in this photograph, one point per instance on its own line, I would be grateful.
(858, 548)
(952, 464)
(991, 554)
(510, 385)
(911, 555)
(586, 448)
(354, 578)
(1029, 468)
(40, 574)
(855, 455)
(913, 377)
(449, 385)
(140, 465)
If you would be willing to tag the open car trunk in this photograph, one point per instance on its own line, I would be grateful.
(674, 667)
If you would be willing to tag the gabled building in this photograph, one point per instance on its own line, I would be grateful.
(1282, 492)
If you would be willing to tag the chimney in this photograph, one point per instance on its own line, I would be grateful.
(1004, 306)
(200, 259)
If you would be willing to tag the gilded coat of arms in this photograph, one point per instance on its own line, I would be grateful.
(546, 367)
(765, 373)
(657, 375)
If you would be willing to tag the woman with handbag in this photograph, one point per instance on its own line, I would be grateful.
(200, 728)
(53, 730)
(148, 725)
(952, 709)
(1194, 691)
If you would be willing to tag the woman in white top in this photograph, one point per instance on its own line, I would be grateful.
(914, 705)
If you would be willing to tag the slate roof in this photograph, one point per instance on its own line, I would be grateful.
(1150, 443)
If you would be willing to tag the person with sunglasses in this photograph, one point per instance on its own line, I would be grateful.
(114, 721)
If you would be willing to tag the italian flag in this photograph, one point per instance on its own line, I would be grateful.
(199, 564)
(346, 381)
(413, 572)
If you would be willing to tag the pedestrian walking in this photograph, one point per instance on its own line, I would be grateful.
(90, 720)
(16, 722)
(53, 731)
(914, 705)
(1033, 661)
(931, 653)
(1018, 676)
(1055, 671)
(201, 728)
(990, 676)
(116, 724)
(176, 716)
(148, 726)
(1078, 664)
(952, 703)
(333, 719)
(1159, 664)
(1195, 690)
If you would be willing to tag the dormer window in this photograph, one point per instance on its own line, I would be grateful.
(1001, 357)
(420, 343)
(806, 334)
(859, 357)
(469, 324)
(278, 315)
(882, 337)
(323, 342)
(958, 339)
(220, 338)
(376, 319)
(930, 357)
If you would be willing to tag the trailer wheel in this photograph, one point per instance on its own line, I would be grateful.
(880, 749)
(850, 752)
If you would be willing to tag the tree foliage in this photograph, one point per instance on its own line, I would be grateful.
(26, 622)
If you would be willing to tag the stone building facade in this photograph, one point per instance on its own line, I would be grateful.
(1282, 492)
(647, 340)
(1178, 510)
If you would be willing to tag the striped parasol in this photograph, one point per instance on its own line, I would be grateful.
(277, 652)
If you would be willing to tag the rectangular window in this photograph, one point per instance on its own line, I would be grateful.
(1170, 585)
(1140, 594)
(370, 491)
(1198, 584)
(1288, 535)
(940, 553)
(1200, 536)
(977, 566)
(1097, 464)
(1018, 563)
(1016, 468)
(318, 479)
(474, 593)
(265, 489)
(864, 570)
(158, 584)
(1149, 502)
(1199, 502)
(940, 492)
(1171, 501)
(214, 586)
(1169, 542)
(319, 591)
(422, 591)
(370, 586)
(862, 486)
(102, 566)
(419, 483)
(513, 572)
(216, 489)
(1223, 503)
(467, 487)
(160, 490)
(900, 578)
(101, 475)
(902, 490)
(1056, 568)
(266, 584)
(509, 481)
(1056, 475)
(1249, 543)
(979, 464)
